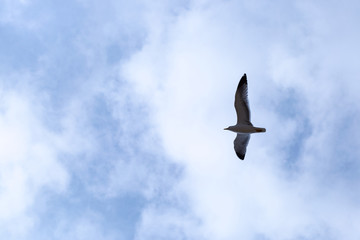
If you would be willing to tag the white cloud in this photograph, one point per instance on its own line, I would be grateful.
(28, 159)
(70, 127)
(118, 89)
(189, 71)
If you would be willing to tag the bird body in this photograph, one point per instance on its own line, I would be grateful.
(243, 127)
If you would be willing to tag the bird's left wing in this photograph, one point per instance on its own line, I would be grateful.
(242, 102)
(240, 143)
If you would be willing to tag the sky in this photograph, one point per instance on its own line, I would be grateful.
(112, 117)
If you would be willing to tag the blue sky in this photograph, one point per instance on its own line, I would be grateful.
(112, 117)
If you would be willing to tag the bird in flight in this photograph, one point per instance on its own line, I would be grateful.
(243, 127)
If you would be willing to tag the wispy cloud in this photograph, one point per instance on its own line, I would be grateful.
(186, 78)
(111, 120)
(76, 147)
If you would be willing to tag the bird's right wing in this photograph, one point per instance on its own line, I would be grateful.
(242, 102)
(240, 143)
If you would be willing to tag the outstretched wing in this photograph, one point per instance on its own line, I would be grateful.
(242, 102)
(240, 143)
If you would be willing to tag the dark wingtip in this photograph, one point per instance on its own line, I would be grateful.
(243, 80)
(241, 156)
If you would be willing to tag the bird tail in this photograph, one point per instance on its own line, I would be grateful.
(260, 129)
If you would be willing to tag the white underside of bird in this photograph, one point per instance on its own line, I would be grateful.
(245, 128)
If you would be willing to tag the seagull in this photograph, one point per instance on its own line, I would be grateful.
(243, 127)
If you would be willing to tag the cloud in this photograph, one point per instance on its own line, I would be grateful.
(187, 79)
(111, 120)
(77, 146)
(160, 223)
(29, 161)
